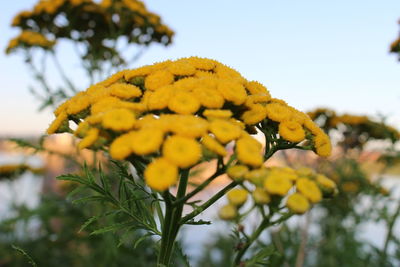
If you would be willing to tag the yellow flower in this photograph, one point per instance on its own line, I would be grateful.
(297, 203)
(291, 131)
(184, 103)
(77, 104)
(323, 145)
(228, 212)
(278, 112)
(120, 148)
(256, 99)
(254, 115)
(257, 176)
(224, 131)
(82, 129)
(181, 68)
(188, 126)
(142, 71)
(119, 76)
(260, 196)
(105, 104)
(58, 124)
(118, 120)
(160, 98)
(161, 174)
(226, 73)
(186, 84)
(204, 74)
(182, 151)
(208, 97)
(237, 172)
(326, 183)
(256, 88)
(309, 189)
(284, 171)
(124, 90)
(158, 79)
(248, 151)
(90, 138)
(232, 91)
(147, 141)
(62, 107)
(201, 63)
(350, 187)
(217, 113)
(213, 145)
(277, 185)
(305, 172)
(237, 196)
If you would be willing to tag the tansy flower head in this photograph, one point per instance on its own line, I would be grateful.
(309, 189)
(172, 109)
(228, 212)
(291, 131)
(277, 185)
(182, 151)
(237, 196)
(297, 203)
(260, 196)
(161, 174)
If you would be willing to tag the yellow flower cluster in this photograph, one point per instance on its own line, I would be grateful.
(174, 111)
(11, 170)
(302, 187)
(87, 16)
(362, 128)
(29, 39)
(395, 46)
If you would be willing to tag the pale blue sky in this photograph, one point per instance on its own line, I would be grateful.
(309, 53)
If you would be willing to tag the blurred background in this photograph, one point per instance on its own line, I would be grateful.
(313, 54)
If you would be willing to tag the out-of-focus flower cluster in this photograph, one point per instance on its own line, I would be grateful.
(175, 114)
(351, 179)
(8, 171)
(395, 46)
(299, 189)
(30, 39)
(356, 130)
(93, 24)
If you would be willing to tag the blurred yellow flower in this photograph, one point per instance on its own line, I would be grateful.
(297, 203)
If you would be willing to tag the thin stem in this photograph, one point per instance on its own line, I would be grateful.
(199, 188)
(389, 234)
(62, 73)
(264, 224)
(208, 203)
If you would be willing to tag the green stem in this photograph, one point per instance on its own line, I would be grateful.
(264, 224)
(171, 221)
(389, 234)
(208, 203)
(199, 188)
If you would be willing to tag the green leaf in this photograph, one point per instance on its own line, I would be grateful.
(139, 240)
(261, 257)
(20, 250)
(89, 198)
(73, 178)
(113, 227)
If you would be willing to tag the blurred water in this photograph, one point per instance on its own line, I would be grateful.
(22, 190)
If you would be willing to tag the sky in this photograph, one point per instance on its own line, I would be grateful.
(309, 53)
